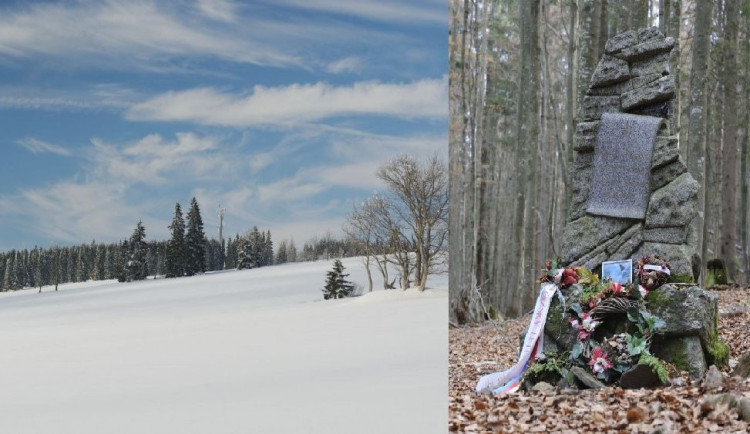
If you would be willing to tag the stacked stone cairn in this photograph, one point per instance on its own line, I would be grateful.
(633, 77)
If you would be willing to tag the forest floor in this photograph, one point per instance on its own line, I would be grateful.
(479, 350)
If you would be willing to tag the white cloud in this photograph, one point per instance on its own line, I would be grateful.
(74, 212)
(413, 11)
(133, 32)
(220, 10)
(37, 146)
(347, 64)
(297, 103)
(154, 160)
(290, 197)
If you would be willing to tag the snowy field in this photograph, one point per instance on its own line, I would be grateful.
(252, 351)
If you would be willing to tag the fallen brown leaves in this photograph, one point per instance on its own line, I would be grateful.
(490, 347)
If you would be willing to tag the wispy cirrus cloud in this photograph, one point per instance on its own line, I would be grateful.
(37, 146)
(352, 64)
(415, 11)
(154, 160)
(220, 10)
(134, 32)
(297, 103)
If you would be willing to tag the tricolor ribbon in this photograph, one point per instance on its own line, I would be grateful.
(500, 383)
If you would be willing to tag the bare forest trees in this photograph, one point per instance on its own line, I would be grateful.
(406, 226)
(519, 71)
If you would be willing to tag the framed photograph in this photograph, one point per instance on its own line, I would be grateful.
(618, 271)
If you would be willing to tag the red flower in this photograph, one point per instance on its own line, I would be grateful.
(599, 362)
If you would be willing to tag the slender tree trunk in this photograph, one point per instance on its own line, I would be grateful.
(671, 17)
(623, 15)
(603, 33)
(570, 105)
(729, 154)
(586, 49)
(664, 16)
(745, 146)
(467, 58)
(639, 14)
(697, 122)
(528, 141)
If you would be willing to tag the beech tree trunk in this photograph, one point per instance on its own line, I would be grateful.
(729, 165)
(697, 120)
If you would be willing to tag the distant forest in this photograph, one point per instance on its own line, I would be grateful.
(99, 261)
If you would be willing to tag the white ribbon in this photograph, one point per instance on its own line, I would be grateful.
(661, 268)
(507, 381)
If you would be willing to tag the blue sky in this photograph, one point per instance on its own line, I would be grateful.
(279, 110)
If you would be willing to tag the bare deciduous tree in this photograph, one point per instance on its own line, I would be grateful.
(418, 208)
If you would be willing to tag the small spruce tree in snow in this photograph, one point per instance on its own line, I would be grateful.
(195, 241)
(137, 268)
(336, 284)
(175, 260)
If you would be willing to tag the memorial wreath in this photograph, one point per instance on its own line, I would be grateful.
(607, 352)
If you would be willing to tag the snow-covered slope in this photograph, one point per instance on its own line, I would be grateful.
(253, 351)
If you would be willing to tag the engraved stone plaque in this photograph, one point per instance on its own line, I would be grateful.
(622, 165)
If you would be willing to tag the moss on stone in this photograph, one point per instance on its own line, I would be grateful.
(717, 350)
(657, 299)
(681, 278)
(554, 323)
(656, 365)
(678, 354)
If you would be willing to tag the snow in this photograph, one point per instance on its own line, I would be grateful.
(228, 352)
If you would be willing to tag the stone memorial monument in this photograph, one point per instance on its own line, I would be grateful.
(632, 196)
(631, 193)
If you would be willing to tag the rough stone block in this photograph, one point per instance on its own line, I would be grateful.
(678, 255)
(593, 258)
(667, 173)
(656, 91)
(685, 351)
(592, 107)
(686, 312)
(666, 150)
(664, 110)
(582, 171)
(585, 137)
(614, 89)
(581, 186)
(673, 205)
(636, 82)
(624, 237)
(674, 235)
(646, 49)
(610, 70)
(585, 234)
(649, 33)
(639, 377)
(641, 69)
(621, 41)
(627, 248)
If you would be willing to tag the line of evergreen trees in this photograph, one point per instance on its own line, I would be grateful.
(186, 253)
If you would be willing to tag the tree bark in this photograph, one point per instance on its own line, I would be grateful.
(467, 59)
(729, 154)
(697, 120)
(639, 14)
(528, 141)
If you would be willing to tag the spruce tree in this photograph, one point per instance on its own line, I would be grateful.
(121, 271)
(175, 260)
(268, 249)
(336, 284)
(281, 253)
(137, 268)
(195, 241)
